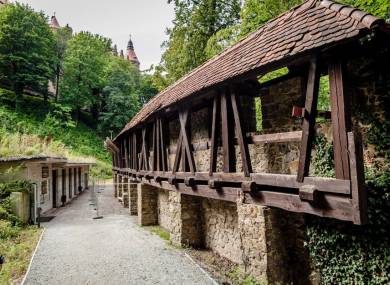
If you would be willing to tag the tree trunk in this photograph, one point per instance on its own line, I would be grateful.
(18, 89)
(57, 82)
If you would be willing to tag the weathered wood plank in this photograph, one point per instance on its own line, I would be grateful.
(309, 119)
(178, 154)
(245, 158)
(331, 206)
(295, 136)
(183, 117)
(340, 120)
(214, 134)
(227, 136)
(358, 187)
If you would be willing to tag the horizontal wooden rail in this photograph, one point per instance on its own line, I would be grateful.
(321, 184)
(276, 138)
(328, 206)
(295, 136)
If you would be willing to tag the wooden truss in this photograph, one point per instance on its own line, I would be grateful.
(343, 197)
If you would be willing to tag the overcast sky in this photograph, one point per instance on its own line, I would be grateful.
(145, 20)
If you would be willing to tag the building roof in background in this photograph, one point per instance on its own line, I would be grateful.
(54, 23)
(311, 25)
(32, 158)
(47, 159)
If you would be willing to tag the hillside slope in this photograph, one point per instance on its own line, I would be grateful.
(47, 128)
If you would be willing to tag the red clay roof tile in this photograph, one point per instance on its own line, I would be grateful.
(311, 25)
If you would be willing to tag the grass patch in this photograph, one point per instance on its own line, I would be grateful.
(17, 252)
(159, 231)
(45, 128)
(238, 277)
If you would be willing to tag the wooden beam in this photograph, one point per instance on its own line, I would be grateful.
(309, 119)
(330, 206)
(358, 187)
(227, 135)
(214, 134)
(183, 117)
(178, 153)
(340, 120)
(295, 136)
(145, 151)
(245, 158)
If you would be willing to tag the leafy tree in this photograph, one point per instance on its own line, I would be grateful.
(379, 8)
(62, 36)
(257, 12)
(84, 64)
(26, 50)
(147, 89)
(121, 95)
(195, 22)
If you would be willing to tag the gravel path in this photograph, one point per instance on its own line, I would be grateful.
(75, 249)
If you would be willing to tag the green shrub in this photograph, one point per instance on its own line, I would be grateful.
(7, 230)
(344, 253)
(7, 188)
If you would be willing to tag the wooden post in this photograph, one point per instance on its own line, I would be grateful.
(214, 134)
(227, 135)
(187, 155)
(246, 160)
(340, 120)
(358, 188)
(309, 119)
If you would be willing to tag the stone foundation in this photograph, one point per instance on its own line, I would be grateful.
(147, 205)
(120, 186)
(133, 197)
(115, 185)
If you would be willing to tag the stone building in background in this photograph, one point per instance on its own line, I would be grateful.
(130, 56)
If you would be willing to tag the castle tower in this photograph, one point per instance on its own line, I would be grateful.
(54, 25)
(131, 56)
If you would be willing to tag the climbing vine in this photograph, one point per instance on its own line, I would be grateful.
(341, 252)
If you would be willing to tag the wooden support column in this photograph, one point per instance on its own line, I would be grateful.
(163, 149)
(214, 135)
(183, 148)
(135, 151)
(144, 159)
(227, 135)
(358, 188)
(309, 119)
(125, 146)
(154, 148)
(187, 155)
(246, 161)
(340, 120)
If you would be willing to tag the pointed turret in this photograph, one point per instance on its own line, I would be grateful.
(54, 25)
(131, 56)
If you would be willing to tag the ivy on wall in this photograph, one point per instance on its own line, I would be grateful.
(341, 252)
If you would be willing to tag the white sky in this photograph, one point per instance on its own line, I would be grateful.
(145, 20)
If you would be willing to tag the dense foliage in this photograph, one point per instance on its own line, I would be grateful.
(27, 50)
(80, 66)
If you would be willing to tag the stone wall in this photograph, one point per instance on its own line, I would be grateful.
(220, 228)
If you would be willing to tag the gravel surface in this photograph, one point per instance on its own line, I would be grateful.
(77, 249)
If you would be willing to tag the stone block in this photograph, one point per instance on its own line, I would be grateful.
(147, 205)
(133, 199)
(20, 205)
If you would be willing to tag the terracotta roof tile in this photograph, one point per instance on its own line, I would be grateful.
(311, 25)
